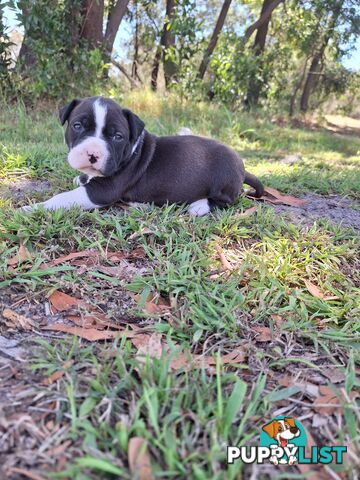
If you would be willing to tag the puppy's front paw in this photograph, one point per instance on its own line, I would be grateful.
(81, 180)
(292, 460)
(29, 208)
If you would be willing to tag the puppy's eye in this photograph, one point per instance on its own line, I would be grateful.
(117, 136)
(77, 126)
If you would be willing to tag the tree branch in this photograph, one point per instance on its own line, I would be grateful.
(123, 70)
(260, 21)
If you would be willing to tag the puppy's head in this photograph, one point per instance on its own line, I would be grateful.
(100, 135)
(282, 430)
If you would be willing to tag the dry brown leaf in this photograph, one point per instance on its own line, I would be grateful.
(188, 361)
(143, 231)
(316, 292)
(114, 257)
(139, 459)
(155, 304)
(281, 198)
(247, 212)
(26, 473)
(277, 198)
(265, 334)
(71, 256)
(149, 345)
(223, 260)
(23, 255)
(58, 374)
(59, 449)
(279, 320)
(96, 320)
(90, 334)
(124, 270)
(17, 320)
(62, 301)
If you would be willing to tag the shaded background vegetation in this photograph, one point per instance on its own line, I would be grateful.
(280, 55)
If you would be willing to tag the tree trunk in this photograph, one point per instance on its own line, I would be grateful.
(155, 68)
(92, 28)
(297, 88)
(265, 16)
(255, 86)
(168, 42)
(214, 38)
(27, 58)
(116, 14)
(316, 63)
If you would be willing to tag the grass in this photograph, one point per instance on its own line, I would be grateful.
(107, 395)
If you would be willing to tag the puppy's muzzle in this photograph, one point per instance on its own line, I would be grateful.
(91, 154)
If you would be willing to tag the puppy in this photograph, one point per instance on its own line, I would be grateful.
(282, 431)
(121, 161)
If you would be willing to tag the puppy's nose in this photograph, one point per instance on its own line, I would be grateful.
(92, 158)
(294, 429)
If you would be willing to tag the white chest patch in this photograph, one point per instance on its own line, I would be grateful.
(100, 117)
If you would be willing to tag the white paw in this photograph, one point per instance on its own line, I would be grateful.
(199, 208)
(292, 460)
(81, 180)
(185, 131)
(274, 460)
(143, 206)
(30, 208)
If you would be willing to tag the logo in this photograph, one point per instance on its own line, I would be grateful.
(283, 442)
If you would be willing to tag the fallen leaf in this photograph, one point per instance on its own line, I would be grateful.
(185, 360)
(143, 231)
(335, 375)
(265, 334)
(247, 212)
(155, 304)
(71, 256)
(59, 449)
(277, 198)
(316, 292)
(26, 473)
(149, 345)
(62, 301)
(139, 459)
(279, 320)
(90, 334)
(23, 255)
(125, 270)
(58, 374)
(223, 260)
(17, 320)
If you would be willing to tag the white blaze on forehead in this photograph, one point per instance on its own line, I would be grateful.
(100, 117)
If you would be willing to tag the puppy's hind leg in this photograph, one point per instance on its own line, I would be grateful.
(199, 208)
(75, 198)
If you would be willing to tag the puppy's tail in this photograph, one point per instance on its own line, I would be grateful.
(255, 183)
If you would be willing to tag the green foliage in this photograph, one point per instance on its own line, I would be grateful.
(5, 44)
(61, 64)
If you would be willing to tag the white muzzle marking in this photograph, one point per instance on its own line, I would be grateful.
(89, 156)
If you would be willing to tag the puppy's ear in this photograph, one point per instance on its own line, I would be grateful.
(136, 125)
(290, 421)
(64, 112)
(270, 429)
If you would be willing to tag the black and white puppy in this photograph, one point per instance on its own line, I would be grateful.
(120, 160)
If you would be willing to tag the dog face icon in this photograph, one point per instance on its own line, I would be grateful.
(282, 430)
